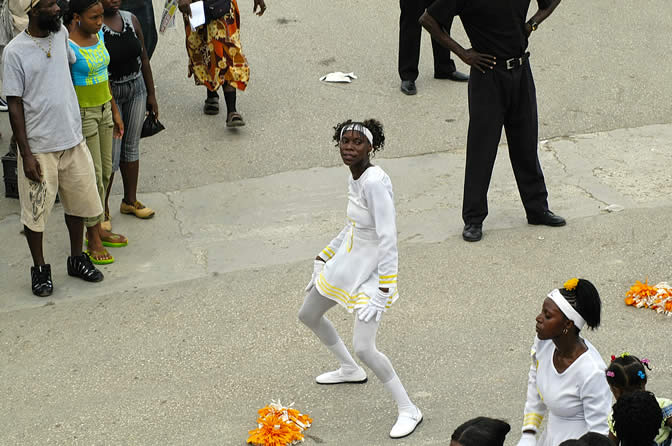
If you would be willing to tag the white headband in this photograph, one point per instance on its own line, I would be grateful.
(358, 128)
(567, 308)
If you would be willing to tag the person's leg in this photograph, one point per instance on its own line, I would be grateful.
(75, 227)
(211, 106)
(79, 196)
(233, 118)
(105, 135)
(91, 117)
(36, 200)
(364, 340)
(312, 315)
(107, 223)
(486, 118)
(521, 126)
(410, 34)
(134, 116)
(35, 245)
(444, 66)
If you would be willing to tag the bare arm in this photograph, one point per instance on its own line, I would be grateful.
(146, 69)
(541, 15)
(18, 122)
(468, 56)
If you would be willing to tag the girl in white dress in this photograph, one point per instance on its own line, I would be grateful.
(358, 270)
(566, 378)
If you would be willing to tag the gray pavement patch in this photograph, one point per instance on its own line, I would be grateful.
(191, 362)
(290, 216)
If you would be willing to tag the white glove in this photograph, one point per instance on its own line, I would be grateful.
(375, 307)
(528, 440)
(318, 266)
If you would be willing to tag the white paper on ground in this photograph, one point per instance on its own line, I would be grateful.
(197, 15)
(338, 77)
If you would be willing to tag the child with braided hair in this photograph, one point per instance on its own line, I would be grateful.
(358, 270)
(627, 374)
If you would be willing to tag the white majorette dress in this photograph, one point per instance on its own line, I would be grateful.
(363, 257)
(578, 400)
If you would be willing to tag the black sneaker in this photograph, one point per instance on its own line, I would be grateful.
(82, 267)
(40, 276)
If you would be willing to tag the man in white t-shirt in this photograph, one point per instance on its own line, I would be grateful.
(53, 157)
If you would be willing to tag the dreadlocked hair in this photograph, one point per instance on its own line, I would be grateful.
(629, 373)
(586, 301)
(637, 418)
(76, 7)
(374, 126)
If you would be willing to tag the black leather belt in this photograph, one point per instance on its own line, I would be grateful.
(515, 62)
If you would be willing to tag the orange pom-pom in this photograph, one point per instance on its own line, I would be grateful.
(279, 426)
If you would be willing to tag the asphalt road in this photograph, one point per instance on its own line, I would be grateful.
(195, 326)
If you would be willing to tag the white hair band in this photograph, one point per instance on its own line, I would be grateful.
(358, 128)
(567, 308)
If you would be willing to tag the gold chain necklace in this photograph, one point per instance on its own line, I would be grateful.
(48, 52)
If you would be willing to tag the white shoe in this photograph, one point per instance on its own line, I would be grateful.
(406, 424)
(339, 377)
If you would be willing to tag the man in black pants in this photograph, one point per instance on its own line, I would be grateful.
(410, 33)
(501, 93)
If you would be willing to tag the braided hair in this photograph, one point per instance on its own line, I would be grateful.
(637, 418)
(627, 373)
(586, 301)
(75, 7)
(481, 431)
(374, 126)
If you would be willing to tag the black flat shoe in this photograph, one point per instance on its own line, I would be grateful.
(211, 106)
(454, 76)
(472, 232)
(82, 267)
(40, 277)
(408, 87)
(548, 218)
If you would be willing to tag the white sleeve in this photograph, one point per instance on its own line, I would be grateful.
(596, 399)
(535, 409)
(327, 253)
(13, 82)
(379, 198)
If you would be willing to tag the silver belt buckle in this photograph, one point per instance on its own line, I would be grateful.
(510, 62)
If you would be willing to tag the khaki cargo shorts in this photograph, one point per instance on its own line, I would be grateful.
(68, 173)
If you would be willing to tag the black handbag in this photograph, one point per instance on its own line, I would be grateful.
(151, 126)
(215, 9)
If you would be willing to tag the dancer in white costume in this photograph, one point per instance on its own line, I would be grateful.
(566, 378)
(358, 270)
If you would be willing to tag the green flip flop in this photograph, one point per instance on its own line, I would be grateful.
(99, 262)
(110, 244)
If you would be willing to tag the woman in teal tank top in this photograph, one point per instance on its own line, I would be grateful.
(101, 120)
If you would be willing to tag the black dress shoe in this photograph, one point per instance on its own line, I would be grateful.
(454, 76)
(548, 218)
(472, 232)
(408, 87)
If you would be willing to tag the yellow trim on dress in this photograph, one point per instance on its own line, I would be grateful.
(341, 295)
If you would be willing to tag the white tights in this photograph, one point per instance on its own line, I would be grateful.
(364, 341)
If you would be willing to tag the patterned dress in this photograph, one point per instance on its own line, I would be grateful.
(215, 53)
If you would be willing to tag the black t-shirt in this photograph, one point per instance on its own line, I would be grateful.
(495, 27)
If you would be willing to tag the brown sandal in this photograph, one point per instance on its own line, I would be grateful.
(234, 120)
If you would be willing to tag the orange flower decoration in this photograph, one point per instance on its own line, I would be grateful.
(571, 284)
(279, 426)
(658, 298)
